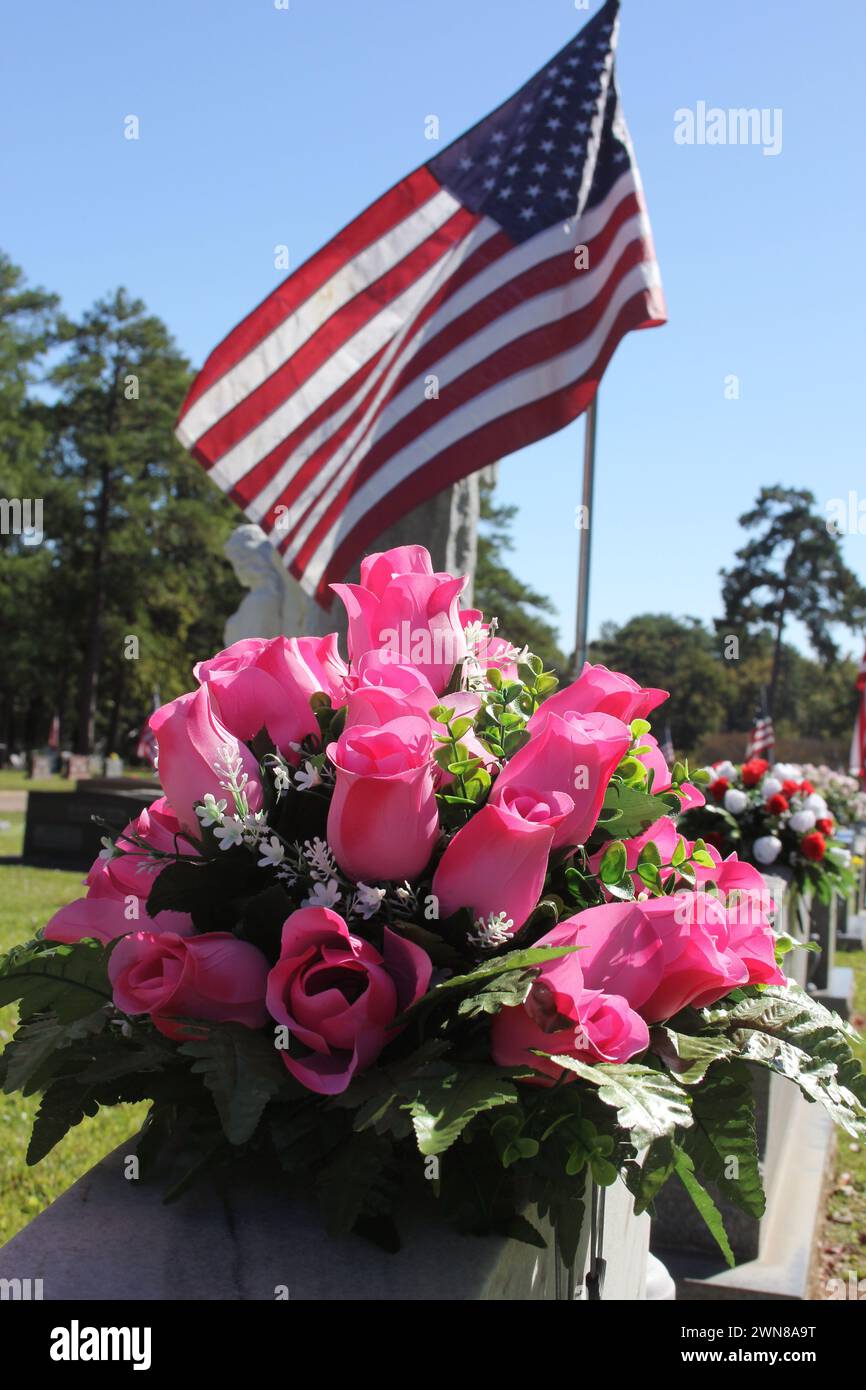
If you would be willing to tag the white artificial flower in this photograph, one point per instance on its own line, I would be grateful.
(735, 801)
(307, 777)
(272, 853)
(786, 772)
(281, 779)
(816, 803)
(802, 821)
(230, 833)
(496, 931)
(323, 895)
(726, 770)
(771, 786)
(767, 849)
(367, 901)
(211, 812)
(107, 851)
(320, 859)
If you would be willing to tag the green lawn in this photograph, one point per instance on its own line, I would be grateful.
(12, 781)
(28, 897)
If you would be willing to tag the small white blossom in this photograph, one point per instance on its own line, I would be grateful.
(282, 781)
(496, 931)
(404, 893)
(367, 901)
(230, 833)
(307, 777)
(272, 853)
(211, 812)
(323, 895)
(107, 851)
(320, 859)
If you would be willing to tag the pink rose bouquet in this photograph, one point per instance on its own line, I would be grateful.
(422, 897)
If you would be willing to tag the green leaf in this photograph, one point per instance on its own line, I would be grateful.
(722, 1141)
(356, 1183)
(503, 992)
(499, 965)
(613, 863)
(64, 1105)
(645, 1180)
(40, 1048)
(443, 1107)
(243, 1072)
(649, 1104)
(67, 981)
(689, 1057)
(817, 1078)
(685, 1171)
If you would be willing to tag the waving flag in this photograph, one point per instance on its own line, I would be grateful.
(469, 311)
(763, 737)
(857, 761)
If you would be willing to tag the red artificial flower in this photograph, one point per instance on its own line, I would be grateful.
(777, 804)
(813, 846)
(806, 788)
(719, 787)
(789, 786)
(825, 825)
(753, 771)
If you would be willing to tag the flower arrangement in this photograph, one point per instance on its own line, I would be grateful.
(844, 795)
(420, 926)
(774, 817)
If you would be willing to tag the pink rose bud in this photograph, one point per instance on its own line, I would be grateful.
(338, 996)
(408, 614)
(497, 861)
(192, 742)
(577, 755)
(258, 684)
(214, 978)
(599, 691)
(383, 820)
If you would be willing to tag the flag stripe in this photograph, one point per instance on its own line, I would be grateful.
(497, 283)
(401, 220)
(510, 344)
(541, 382)
(488, 442)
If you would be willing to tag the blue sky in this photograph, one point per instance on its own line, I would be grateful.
(261, 126)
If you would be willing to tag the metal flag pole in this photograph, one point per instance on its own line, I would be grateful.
(580, 643)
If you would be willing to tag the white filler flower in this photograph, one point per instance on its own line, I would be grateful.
(735, 801)
(801, 821)
(767, 849)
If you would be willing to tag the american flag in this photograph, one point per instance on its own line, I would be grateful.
(762, 738)
(857, 761)
(454, 321)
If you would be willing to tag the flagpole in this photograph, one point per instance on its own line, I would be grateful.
(580, 643)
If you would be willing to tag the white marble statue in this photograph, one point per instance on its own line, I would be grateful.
(276, 602)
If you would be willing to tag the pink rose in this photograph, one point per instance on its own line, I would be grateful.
(753, 940)
(383, 820)
(192, 740)
(599, 691)
(700, 964)
(258, 683)
(213, 977)
(577, 755)
(339, 996)
(497, 862)
(585, 1004)
(118, 888)
(405, 611)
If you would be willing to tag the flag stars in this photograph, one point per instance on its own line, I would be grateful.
(489, 184)
(559, 102)
(494, 160)
(527, 214)
(541, 168)
(533, 190)
(466, 162)
(553, 123)
(547, 146)
(528, 106)
(588, 106)
(506, 192)
(570, 171)
(497, 137)
(566, 81)
(512, 170)
(564, 193)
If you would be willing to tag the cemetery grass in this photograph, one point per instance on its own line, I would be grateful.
(28, 897)
(843, 1240)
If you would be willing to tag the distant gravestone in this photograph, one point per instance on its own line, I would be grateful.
(64, 830)
(41, 766)
(113, 766)
(78, 767)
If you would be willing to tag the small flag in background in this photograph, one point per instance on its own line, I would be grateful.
(468, 312)
(762, 738)
(54, 732)
(857, 760)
